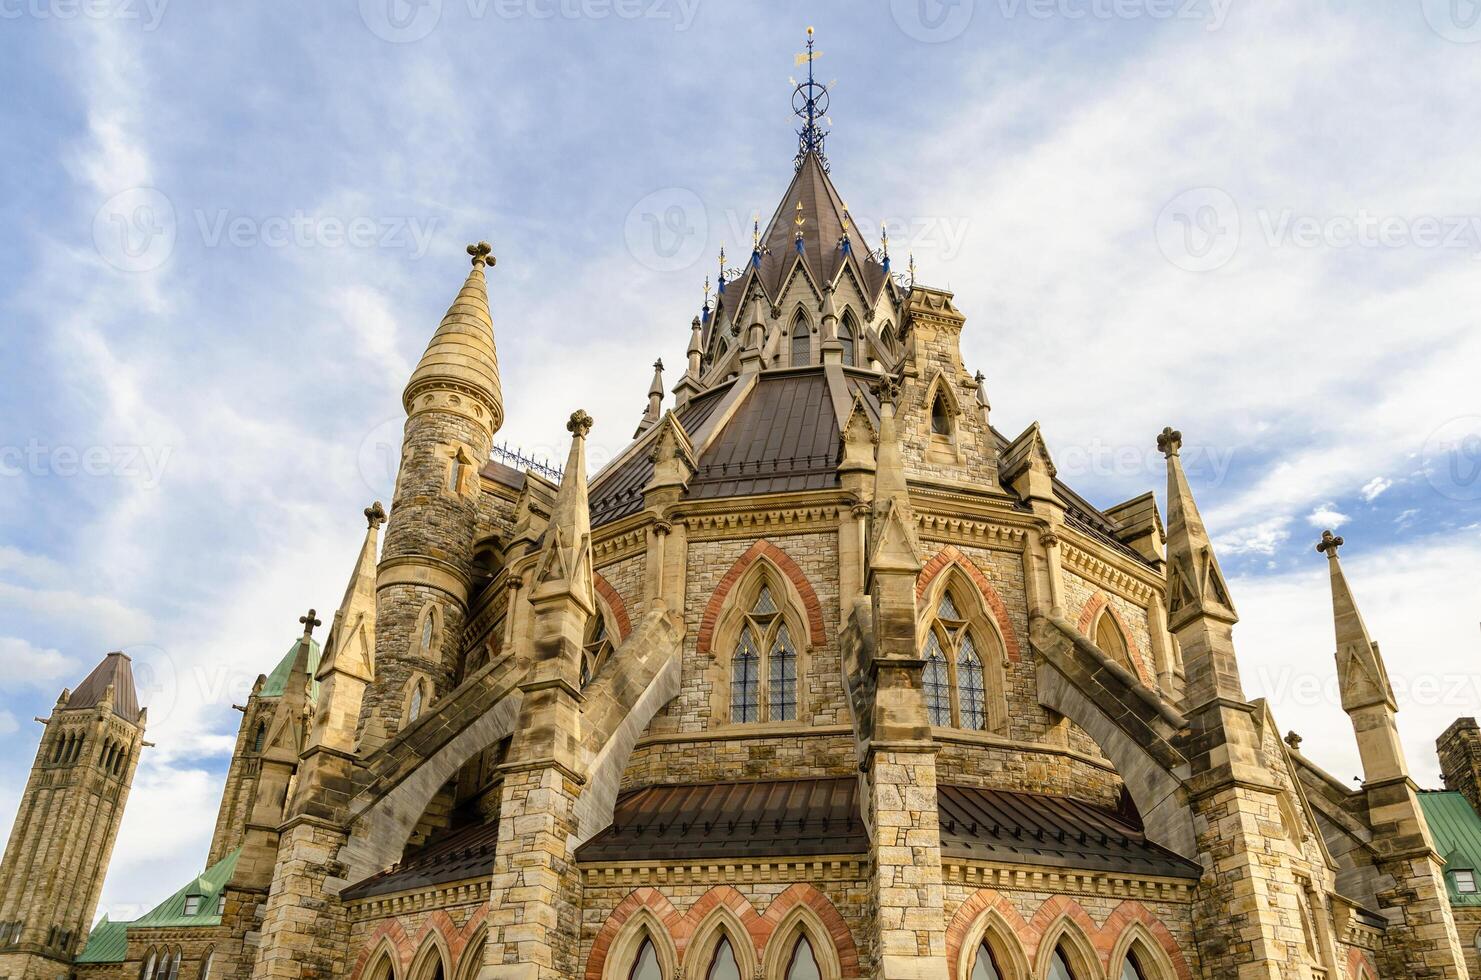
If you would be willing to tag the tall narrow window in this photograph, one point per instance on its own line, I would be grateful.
(414, 710)
(937, 683)
(745, 681)
(986, 967)
(206, 965)
(457, 472)
(594, 652)
(1059, 966)
(1112, 641)
(259, 737)
(645, 964)
(764, 664)
(148, 969)
(723, 965)
(783, 686)
(955, 676)
(427, 627)
(803, 965)
(847, 335)
(940, 416)
(801, 342)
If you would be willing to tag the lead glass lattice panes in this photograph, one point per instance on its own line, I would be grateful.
(804, 965)
(801, 343)
(782, 691)
(969, 683)
(745, 681)
(937, 684)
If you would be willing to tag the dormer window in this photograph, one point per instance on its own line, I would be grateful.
(192, 904)
(1465, 881)
(221, 904)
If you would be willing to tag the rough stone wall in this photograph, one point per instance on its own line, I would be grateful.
(304, 932)
(626, 578)
(793, 756)
(968, 759)
(1468, 925)
(971, 455)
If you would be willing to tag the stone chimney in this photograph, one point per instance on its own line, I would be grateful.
(1460, 759)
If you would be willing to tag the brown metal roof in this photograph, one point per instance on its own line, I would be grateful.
(784, 437)
(454, 856)
(113, 670)
(1034, 828)
(776, 818)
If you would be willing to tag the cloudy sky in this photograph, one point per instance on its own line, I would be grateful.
(232, 228)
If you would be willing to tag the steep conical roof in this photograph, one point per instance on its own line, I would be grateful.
(114, 670)
(462, 352)
(277, 681)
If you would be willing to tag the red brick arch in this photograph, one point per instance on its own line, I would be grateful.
(1360, 964)
(1092, 609)
(759, 927)
(788, 567)
(970, 911)
(614, 602)
(951, 555)
(1131, 911)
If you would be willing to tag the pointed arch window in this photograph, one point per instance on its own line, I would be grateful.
(596, 648)
(458, 472)
(765, 656)
(803, 964)
(723, 965)
(259, 738)
(1112, 641)
(429, 629)
(645, 964)
(848, 333)
(801, 341)
(940, 416)
(955, 676)
(1059, 966)
(417, 702)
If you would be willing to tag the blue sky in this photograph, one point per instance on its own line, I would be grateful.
(231, 229)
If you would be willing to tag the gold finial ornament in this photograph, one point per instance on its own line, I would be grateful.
(482, 254)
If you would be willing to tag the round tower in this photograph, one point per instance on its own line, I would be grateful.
(454, 406)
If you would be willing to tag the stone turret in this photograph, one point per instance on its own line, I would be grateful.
(52, 873)
(454, 407)
(1424, 941)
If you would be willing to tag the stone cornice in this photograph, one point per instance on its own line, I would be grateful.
(973, 532)
(767, 521)
(1037, 878)
(721, 871)
(620, 540)
(468, 892)
(1107, 570)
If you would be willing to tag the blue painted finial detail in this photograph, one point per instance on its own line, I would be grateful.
(810, 103)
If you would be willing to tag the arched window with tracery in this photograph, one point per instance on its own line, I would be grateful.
(764, 662)
(596, 647)
(848, 335)
(801, 346)
(956, 672)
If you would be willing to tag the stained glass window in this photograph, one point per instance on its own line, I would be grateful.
(969, 683)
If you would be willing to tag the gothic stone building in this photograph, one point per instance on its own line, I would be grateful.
(822, 677)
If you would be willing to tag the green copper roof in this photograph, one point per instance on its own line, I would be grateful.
(1456, 828)
(108, 942)
(278, 679)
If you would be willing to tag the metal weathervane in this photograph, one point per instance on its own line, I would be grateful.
(810, 103)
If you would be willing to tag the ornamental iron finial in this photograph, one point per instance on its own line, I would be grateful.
(375, 515)
(579, 424)
(810, 103)
(309, 622)
(482, 254)
(1169, 441)
(1329, 544)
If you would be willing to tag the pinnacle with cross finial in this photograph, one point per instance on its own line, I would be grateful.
(1329, 544)
(1169, 441)
(1293, 740)
(482, 254)
(579, 424)
(309, 622)
(375, 514)
(887, 388)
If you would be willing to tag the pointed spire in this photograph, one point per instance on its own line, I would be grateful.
(751, 355)
(672, 455)
(350, 648)
(565, 564)
(112, 683)
(893, 545)
(655, 400)
(462, 350)
(1195, 584)
(696, 350)
(884, 246)
(1361, 673)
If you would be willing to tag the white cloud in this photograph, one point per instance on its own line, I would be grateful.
(1326, 516)
(23, 663)
(1263, 538)
(1374, 487)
